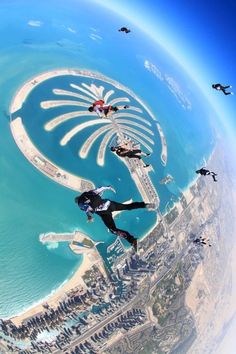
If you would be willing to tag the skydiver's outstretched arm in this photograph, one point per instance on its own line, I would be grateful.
(100, 190)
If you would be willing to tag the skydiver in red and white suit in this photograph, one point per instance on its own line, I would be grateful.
(103, 110)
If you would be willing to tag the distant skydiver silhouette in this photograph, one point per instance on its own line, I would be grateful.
(124, 29)
(91, 202)
(202, 241)
(222, 88)
(125, 151)
(103, 110)
(205, 172)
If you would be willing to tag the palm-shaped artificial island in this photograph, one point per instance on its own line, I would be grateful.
(128, 126)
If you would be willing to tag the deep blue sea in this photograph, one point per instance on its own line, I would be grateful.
(73, 37)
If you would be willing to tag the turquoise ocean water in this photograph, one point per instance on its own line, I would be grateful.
(31, 203)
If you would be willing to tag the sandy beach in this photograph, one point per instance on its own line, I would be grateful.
(44, 164)
(164, 145)
(75, 282)
(90, 257)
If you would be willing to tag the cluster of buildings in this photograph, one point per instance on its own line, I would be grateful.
(135, 294)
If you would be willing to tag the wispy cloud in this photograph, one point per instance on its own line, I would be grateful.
(171, 83)
(95, 37)
(35, 23)
(178, 93)
(93, 29)
(71, 30)
(153, 69)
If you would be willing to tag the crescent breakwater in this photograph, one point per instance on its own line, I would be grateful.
(42, 163)
(23, 92)
(138, 173)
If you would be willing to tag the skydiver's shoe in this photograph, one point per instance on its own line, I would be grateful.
(148, 154)
(231, 93)
(146, 166)
(151, 206)
(126, 106)
(135, 244)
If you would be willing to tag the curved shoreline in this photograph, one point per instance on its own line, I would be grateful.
(90, 258)
(164, 145)
(56, 295)
(22, 93)
(42, 163)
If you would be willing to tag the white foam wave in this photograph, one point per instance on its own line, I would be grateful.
(52, 245)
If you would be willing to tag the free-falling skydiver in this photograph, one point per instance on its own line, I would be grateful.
(222, 88)
(125, 151)
(124, 29)
(204, 172)
(202, 241)
(103, 110)
(91, 203)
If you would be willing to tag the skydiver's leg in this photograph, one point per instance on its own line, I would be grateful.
(136, 154)
(137, 151)
(214, 178)
(106, 110)
(109, 109)
(133, 154)
(226, 93)
(114, 206)
(108, 220)
(110, 224)
(225, 87)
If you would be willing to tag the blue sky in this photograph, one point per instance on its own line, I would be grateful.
(199, 34)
